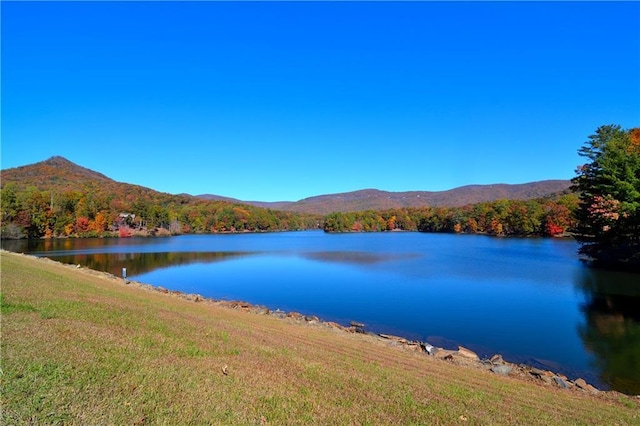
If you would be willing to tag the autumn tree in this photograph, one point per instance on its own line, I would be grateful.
(100, 223)
(34, 214)
(609, 187)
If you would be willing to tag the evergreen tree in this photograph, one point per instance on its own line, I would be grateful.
(609, 187)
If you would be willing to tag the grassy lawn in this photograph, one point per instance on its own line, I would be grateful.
(84, 348)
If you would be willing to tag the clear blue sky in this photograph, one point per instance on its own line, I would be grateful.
(286, 100)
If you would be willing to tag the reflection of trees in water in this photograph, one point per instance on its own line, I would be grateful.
(357, 257)
(140, 263)
(612, 327)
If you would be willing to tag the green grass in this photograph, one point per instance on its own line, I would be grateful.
(7, 308)
(78, 348)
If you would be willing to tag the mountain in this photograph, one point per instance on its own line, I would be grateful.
(53, 172)
(62, 175)
(373, 199)
(57, 198)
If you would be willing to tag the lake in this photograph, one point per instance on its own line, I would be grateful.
(530, 299)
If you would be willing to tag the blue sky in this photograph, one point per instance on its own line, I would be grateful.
(286, 100)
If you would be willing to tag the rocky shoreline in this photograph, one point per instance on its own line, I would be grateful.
(462, 356)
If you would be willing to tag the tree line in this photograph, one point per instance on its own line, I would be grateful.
(36, 214)
(501, 217)
(32, 213)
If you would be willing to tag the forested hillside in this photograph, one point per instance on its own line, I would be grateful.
(57, 198)
(374, 199)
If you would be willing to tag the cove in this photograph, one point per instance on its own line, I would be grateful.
(529, 299)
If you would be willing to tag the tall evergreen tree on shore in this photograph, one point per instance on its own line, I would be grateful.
(609, 187)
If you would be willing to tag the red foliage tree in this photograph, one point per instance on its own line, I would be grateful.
(82, 225)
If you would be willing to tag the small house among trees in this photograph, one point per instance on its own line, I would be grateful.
(126, 219)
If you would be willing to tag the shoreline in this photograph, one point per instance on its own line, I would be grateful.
(461, 357)
(80, 346)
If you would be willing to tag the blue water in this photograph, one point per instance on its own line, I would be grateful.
(531, 300)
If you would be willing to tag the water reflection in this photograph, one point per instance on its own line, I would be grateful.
(140, 263)
(612, 326)
(70, 244)
(355, 257)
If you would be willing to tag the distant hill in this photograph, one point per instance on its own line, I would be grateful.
(60, 174)
(373, 199)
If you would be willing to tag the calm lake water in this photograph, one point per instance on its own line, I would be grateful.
(530, 300)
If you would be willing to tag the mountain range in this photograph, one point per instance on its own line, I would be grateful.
(58, 173)
(374, 199)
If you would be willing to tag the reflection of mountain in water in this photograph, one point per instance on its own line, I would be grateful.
(139, 263)
(612, 327)
(357, 257)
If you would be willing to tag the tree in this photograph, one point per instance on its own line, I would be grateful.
(557, 219)
(609, 187)
(34, 212)
(8, 202)
(100, 223)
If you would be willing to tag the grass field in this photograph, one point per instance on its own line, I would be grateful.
(83, 348)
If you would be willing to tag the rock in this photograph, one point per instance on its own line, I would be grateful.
(501, 369)
(582, 384)
(312, 318)
(414, 346)
(444, 354)
(537, 371)
(467, 353)
(358, 327)
(393, 338)
(194, 297)
(430, 349)
(295, 315)
(261, 310)
(547, 379)
(561, 382)
(334, 325)
(278, 313)
(540, 373)
(245, 306)
(497, 359)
